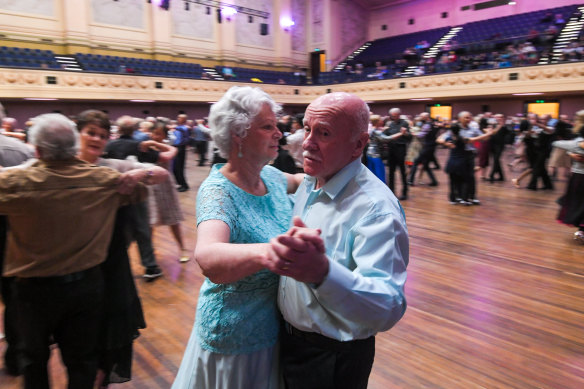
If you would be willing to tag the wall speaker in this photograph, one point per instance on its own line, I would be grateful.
(263, 29)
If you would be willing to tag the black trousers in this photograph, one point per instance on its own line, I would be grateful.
(11, 356)
(496, 151)
(540, 171)
(178, 167)
(67, 312)
(424, 159)
(470, 175)
(202, 147)
(397, 159)
(458, 187)
(313, 361)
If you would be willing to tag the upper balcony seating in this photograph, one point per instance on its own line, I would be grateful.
(479, 45)
(387, 49)
(148, 67)
(28, 58)
(256, 75)
(509, 27)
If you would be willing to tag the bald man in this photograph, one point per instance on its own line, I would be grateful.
(334, 302)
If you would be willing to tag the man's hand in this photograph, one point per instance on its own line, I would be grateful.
(299, 253)
(309, 235)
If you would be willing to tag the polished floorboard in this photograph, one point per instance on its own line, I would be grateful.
(495, 296)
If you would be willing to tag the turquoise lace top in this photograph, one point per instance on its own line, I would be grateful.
(242, 317)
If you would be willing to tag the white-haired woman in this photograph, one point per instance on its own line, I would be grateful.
(240, 207)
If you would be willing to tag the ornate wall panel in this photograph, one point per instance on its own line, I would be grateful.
(353, 26)
(193, 22)
(317, 21)
(299, 15)
(127, 13)
(247, 33)
(39, 7)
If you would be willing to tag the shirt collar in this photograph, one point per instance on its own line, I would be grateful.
(63, 162)
(336, 184)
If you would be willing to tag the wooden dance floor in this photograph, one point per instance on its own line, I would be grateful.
(495, 296)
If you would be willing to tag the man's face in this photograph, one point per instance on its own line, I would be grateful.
(328, 144)
(394, 116)
(465, 119)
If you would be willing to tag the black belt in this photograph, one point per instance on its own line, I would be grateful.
(64, 279)
(324, 341)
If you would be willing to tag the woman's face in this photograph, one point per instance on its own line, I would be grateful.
(262, 137)
(93, 141)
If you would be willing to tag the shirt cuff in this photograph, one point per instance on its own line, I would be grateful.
(337, 283)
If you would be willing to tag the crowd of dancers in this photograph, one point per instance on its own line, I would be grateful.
(152, 152)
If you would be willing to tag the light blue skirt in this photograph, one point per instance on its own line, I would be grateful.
(204, 369)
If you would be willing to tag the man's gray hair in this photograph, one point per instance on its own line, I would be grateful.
(234, 113)
(395, 110)
(127, 125)
(55, 136)
(462, 113)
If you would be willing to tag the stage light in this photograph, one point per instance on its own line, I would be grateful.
(228, 12)
(286, 23)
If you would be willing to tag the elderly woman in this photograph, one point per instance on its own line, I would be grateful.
(122, 309)
(164, 205)
(240, 207)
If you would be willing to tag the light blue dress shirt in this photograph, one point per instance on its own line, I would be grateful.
(366, 240)
(471, 131)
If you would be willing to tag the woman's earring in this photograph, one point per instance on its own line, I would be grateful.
(240, 154)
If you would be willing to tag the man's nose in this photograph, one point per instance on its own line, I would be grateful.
(308, 143)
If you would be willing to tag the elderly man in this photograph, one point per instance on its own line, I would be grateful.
(427, 135)
(397, 135)
(9, 129)
(61, 213)
(334, 302)
(182, 137)
(138, 228)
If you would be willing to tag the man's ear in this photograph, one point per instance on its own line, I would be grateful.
(361, 143)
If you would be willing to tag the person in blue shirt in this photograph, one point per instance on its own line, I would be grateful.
(182, 138)
(334, 302)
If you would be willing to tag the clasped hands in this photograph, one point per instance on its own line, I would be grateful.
(299, 253)
(128, 180)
